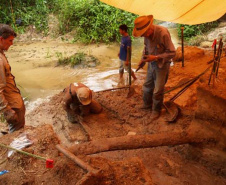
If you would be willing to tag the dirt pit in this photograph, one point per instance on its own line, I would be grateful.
(188, 163)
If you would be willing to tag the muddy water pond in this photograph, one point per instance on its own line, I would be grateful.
(34, 64)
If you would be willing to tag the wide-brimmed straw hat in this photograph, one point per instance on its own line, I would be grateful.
(141, 25)
(84, 95)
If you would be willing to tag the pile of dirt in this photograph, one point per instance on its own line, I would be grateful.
(24, 169)
(190, 52)
(129, 171)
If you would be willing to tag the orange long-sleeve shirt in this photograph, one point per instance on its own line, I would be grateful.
(9, 93)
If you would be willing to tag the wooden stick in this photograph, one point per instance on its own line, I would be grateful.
(112, 89)
(182, 45)
(78, 161)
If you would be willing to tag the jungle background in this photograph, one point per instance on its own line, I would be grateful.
(91, 20)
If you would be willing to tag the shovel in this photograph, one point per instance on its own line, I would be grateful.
(131, 90)
(130, 93)
(171, 107)
(172, 111)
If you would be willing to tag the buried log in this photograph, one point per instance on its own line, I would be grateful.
(139, 141)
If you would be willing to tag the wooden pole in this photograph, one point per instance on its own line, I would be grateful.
(130, 72)
(182, 45)
(138, 141)
(113, 89)
(78, 161)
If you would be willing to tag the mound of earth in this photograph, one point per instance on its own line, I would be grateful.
(24, 169)
(190, 52)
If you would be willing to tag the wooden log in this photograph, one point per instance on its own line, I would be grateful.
(138, 141)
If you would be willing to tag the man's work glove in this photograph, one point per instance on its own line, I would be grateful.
(10, 116)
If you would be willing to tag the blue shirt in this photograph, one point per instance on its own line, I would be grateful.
(125, 42)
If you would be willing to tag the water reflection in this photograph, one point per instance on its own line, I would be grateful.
(100, 81)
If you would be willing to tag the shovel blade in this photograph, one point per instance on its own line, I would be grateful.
(131, 92)
(172, 110)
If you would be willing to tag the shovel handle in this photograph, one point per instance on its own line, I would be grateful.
(78, 161)
(112, 89)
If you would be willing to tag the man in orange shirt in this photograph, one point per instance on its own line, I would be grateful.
(11, 102)
(78, 102)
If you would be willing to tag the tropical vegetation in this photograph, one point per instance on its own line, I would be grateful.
(91, 20)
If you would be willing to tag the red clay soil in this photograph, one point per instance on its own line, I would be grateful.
(181, 164)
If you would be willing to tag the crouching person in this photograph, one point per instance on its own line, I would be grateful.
(78, 102)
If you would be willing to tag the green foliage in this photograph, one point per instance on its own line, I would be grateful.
(196, 40)
(31, 12)
(78, 59)
(60, 57)
(193, 30)
(94, 21)
(2, 118)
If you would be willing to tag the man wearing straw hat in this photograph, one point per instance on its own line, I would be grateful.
(78, 102)
(158, 52)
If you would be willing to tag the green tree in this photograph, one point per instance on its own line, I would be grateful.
(93, 21)
(30, 12)
(193, 30)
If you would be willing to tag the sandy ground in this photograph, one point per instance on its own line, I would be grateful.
(203, 163)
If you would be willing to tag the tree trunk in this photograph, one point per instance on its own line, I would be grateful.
(139, 141)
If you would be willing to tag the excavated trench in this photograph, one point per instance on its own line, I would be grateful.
(188, 151)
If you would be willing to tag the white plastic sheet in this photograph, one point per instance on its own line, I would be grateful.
(20, 142)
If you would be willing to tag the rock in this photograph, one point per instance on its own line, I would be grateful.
(217, 34)
(222, 24)
(206, 44)
(131, 133)
(92, 64)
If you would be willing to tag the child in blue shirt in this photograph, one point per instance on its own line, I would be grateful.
(125, 51)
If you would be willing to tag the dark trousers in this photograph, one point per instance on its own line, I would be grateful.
(153, 87)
